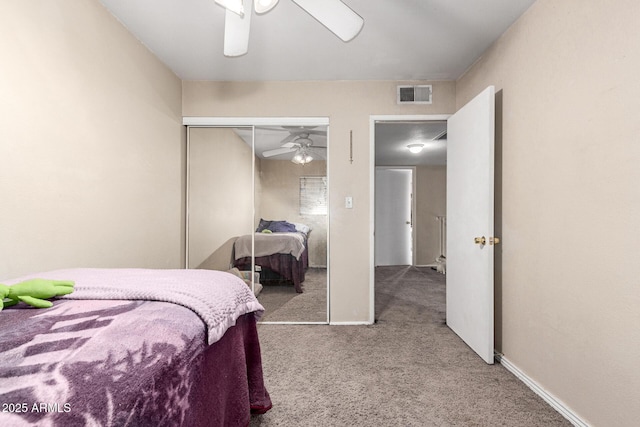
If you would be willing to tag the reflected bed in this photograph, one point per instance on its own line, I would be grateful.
(284, 253)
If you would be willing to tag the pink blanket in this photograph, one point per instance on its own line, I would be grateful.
(270, 243)
(219, 298)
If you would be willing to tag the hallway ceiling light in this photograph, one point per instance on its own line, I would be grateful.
(415, 148)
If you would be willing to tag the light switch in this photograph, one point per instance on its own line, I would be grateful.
(348, 202)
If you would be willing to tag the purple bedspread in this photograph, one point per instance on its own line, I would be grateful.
(218, 297)
(126, 363)
(285, 265)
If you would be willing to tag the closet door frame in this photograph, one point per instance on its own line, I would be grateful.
(252, 122)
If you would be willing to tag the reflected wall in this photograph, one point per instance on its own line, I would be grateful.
(280, 198)
(220, 203)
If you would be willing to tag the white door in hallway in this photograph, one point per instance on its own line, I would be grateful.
(393, 222)
(470, 222)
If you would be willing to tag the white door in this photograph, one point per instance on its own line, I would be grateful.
(393, 227)
(470, 176)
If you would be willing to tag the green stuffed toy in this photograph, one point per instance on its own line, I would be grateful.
(34, 292)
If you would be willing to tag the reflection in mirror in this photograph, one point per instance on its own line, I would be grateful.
(220, 203)
(290, 222)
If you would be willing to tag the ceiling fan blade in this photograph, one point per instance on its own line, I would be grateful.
(288, 139)
(339, 18)
(236, 31)
(317, 132)
(317, 153)
(277, 151)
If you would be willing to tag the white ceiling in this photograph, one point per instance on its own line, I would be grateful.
(400, 40)
(391, 140)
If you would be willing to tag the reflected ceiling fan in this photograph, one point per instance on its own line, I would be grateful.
(339, 18)
(298, 142)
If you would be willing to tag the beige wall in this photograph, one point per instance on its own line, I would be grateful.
(431, 201)
(348, 106)
(91, 166)
(91, 173)
(280, 200)
(567, 73)
(220, 200)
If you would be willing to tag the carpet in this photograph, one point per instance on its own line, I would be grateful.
(283, 304)
(408, 369)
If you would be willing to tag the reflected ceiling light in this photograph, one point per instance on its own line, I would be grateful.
(264, 6)
(415, 148)
(234, 6)
(302, 157)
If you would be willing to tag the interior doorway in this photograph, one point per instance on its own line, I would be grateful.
(469, 220)
(394, 215)
(413, 147)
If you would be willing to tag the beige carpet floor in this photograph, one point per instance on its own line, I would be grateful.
(283, 304)
(408, 369)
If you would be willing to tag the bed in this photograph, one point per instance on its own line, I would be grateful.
(282, 249)
(134, 347)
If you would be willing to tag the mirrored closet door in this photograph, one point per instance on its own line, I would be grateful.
(219, 199)
(257, 200)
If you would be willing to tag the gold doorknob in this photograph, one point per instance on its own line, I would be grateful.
(494, 240)
(480, 240)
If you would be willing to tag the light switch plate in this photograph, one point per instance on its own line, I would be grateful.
(348, 202)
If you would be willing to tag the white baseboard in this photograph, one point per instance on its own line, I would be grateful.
(279, 322)
(349, 323)
(544, 394)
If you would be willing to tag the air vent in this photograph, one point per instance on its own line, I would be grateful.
(414, 94)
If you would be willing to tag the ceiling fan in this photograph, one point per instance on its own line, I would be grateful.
(339, 18)
(298, 141)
